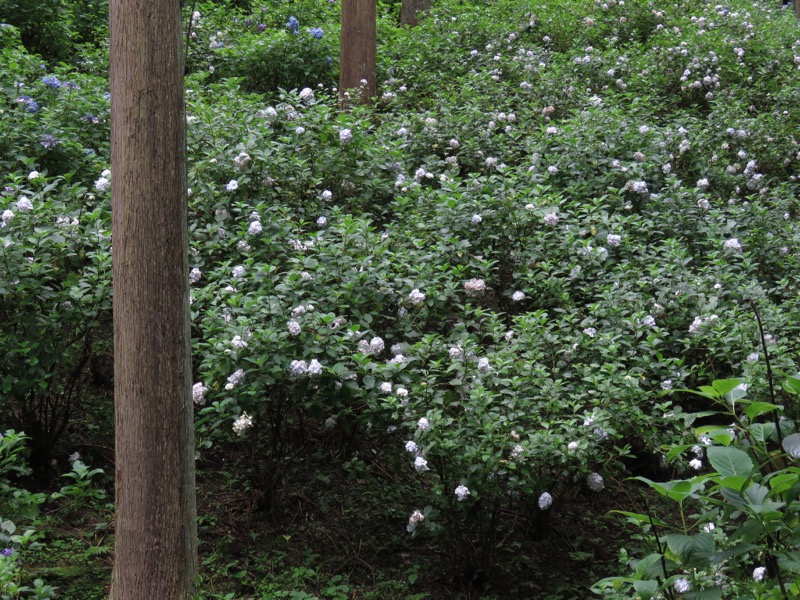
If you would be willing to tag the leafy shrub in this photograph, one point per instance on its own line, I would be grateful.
(738, 539)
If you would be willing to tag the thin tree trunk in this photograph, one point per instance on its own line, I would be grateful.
(358, 49)
(155, 546)
(409, 12)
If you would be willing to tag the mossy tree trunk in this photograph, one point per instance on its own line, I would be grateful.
(411, 9)
(358, 51)
(155, 523)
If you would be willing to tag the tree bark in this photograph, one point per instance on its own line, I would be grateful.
(410, 9)
(358, 45)
(155, 545)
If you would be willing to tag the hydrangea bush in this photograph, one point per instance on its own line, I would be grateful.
(490, 289)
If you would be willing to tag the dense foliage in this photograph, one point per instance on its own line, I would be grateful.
(474, 297)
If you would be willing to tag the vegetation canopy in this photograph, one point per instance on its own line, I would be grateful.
(524, 326)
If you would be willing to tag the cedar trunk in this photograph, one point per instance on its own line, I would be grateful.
(409, 12)
(358, 49)
(155, 522)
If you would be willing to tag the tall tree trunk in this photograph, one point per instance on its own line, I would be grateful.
(156, 547)
(358, 49)
(409, 12)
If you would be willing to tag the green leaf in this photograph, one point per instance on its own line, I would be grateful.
(677, 490)
(721, 435)
(693, 550)
(646, 588)
(724, 555)
(757, 409)
(791, 444)
(725, 386)
(784, 481)
(640, 518)
(762, 432)
(649, 566)
(734, 483)
(792, 385)
(714, 593)
(729, 462)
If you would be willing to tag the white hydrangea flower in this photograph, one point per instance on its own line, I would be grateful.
(376, 345)
(475, 287)
(101, 184)
(195, 275)
(759, 573)
(423, 424)
(416, 297)
(551, 219)
(238, 272)
(572, 446)
(238, 342)
(518, 296)
(483, 365)
(415, 519)
(696, 464)
(241, 161)
(345, 135)
(386, 387)
(682, 585)
(235, 379)
(462, 492)
(255, 228)
(24, 204)
(612, 239)
(298, 368)
(243, 423)
(6, 217)
(199, 392)
(545, 501)
(293, 327)
(306, 94)
(232, 185)
(421, 465)
(733, 244)
(412, 447)
(314, 368)
(595, 482)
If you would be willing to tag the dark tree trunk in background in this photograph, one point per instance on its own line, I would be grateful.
(358, 50)
(155, 523)
(409, 12)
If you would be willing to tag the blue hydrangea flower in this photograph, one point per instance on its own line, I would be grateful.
(317, 33)
(51, 81)
(31, 105)
(293, 24)
(90, 118)
(7, 551)
(262, 27)
(49, 141)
